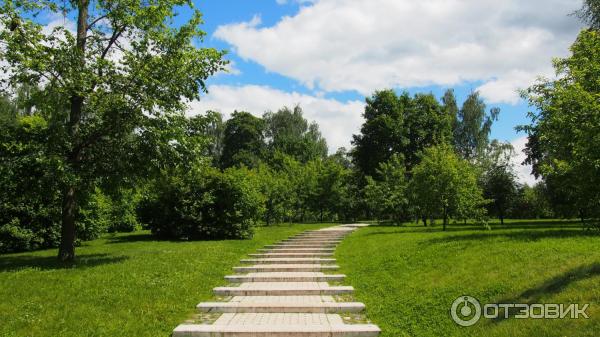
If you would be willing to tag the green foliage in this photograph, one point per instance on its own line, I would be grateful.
(473, 127)
(564, 137)
(288, 132)
(400, 125)
(590, 13)
(381, 134)
(110, 92)
(445, 185)
(532, 203)
(387, 197)
(243, 140)
(498, 180)
(204, 203)
(30, 198)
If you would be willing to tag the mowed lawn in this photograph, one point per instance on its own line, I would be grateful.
(409, 276)
(123, 285)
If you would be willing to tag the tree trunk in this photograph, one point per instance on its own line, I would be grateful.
(445, 218)
(66, 251)
(501, 218)
(424, 218)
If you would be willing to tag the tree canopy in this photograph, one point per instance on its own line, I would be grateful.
(108, 88)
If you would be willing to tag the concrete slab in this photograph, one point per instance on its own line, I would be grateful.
(285, 277)
(289, 260)
(285, 268)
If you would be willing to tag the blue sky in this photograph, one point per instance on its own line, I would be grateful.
(327, 55)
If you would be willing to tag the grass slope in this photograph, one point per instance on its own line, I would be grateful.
(409, 276)
(123, 285)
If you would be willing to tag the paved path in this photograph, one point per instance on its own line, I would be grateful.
(284, 291)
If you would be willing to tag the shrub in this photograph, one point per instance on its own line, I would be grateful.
(204, 204)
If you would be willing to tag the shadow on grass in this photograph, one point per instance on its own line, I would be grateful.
(551, 286)
(518, 234)
(522, 230)
(16, 262)
(133, 237)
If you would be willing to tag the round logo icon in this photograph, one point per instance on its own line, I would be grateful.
(465, 310)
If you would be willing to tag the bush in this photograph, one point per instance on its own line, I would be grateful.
(204, 204)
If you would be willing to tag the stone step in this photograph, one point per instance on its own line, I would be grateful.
(285, 277)
(277, 325)
(273, 305)
(301, 245)
(297, 250)
(275, 255)
(316, 236)
(290, 260)
(315, 240)
(285, 268)
(282, 289)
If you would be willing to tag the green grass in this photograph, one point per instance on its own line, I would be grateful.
(123, 285)
(409, 276)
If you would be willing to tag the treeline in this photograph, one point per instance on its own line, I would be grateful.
(94, 138)
(218, 179)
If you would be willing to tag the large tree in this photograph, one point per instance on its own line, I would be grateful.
(564, 136)
(243, 140)
(590, 13)
(387, 197)
(382, 134)
(473, 127)
(125, 71)
(427, 124)
(445, 185)
(288, 132)
(499, 179)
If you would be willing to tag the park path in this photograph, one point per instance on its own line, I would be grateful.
(284, 291)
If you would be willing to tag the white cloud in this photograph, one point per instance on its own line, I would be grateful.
(523, 171)
(337, 120)
(338, 45)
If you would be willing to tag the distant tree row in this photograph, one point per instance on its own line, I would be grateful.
(94, 138)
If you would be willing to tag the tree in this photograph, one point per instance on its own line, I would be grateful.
(590, 13)
(450, 111)
(498, 179)
(214, 129)
(278, 191)
(381, 135)
(473, 127)
(532, 202)
(564, 136)
(446, 185)
(387, 197)
(427, 124)
(106, 86)
(287, 131)
(243, 140)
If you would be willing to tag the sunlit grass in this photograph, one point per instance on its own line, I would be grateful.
(409, 276)
(123, 285)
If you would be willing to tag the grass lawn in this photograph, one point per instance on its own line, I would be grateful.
(409, 276)
(123, 285)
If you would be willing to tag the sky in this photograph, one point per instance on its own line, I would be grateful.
(328, 55)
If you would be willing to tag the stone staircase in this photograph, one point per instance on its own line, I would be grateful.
(284, 291)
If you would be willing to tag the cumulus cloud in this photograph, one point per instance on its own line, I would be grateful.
(338, 45)
(523, 171)
(337, 120)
